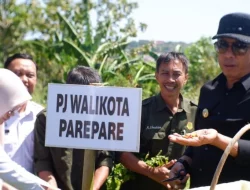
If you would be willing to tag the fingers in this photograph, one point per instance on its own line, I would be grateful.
(179, 140)
(175, 185)
(171, 163)
(168, 186)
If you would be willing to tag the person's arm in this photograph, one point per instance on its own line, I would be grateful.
(17, 176)
(208, 136)
(6, 186)
(100, 176)
(49, 177)
(131, 162)
(240, 150)
(221, 142)
(104, 164)
(42, 155)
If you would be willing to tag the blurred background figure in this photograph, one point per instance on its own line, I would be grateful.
(19, 135)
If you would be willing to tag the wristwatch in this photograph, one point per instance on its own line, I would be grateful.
(185, 164)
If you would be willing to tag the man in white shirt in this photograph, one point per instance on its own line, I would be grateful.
(19, 136)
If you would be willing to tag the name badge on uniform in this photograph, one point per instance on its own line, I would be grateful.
(205, 113)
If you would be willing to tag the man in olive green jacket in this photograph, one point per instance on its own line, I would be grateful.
(162, 115)
(63, 167)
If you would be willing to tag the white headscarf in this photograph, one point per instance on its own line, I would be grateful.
(12, 91)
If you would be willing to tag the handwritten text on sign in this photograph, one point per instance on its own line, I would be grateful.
(93, 117)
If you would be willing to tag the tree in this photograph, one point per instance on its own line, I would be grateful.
(203, 65)
(63, 34)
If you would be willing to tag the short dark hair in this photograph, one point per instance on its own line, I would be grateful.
(18, 56)
(170, 56)
(83, 75)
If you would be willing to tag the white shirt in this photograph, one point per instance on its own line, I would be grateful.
(19, 136)
(17, 176)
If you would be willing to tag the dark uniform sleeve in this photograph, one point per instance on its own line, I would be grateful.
(104, 158)
(189, 152)
(243, 152)
(56, 160)
(144, 118)
(42, 157)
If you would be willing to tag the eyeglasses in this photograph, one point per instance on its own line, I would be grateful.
(238, 48)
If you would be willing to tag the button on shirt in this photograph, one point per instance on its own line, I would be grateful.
(19, 136)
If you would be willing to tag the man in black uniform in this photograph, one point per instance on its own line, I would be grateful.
(223, 110)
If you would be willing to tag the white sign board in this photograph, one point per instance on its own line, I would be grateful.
(93, 117)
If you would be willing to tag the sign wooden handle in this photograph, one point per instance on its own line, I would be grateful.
(88, 169)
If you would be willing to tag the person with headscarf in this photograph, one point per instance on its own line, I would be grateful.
(13, 96)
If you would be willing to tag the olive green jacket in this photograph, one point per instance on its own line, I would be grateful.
(157, 122)
(65, 164)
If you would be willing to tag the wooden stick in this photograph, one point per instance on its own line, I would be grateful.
(88, 169)
(225, 155)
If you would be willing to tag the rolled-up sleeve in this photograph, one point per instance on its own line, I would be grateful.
(104, 158)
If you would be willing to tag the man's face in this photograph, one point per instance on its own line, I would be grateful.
(171, 78)
(25, 69)
(232, 65)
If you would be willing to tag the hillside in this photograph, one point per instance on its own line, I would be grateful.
(158, 46)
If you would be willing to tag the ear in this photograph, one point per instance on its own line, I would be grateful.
(186, 78)
(156, 76)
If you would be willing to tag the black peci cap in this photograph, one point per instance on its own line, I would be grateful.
(235, 25)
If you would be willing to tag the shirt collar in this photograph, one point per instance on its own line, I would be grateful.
(185, 104)
(244, 81)
(28, 110)
(160, 103)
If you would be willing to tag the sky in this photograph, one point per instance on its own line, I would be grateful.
(184, 20)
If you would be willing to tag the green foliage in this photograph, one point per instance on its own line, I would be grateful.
(120, 174)
(203, 66)
(66, 35)
(95, 34)
(63, 34)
